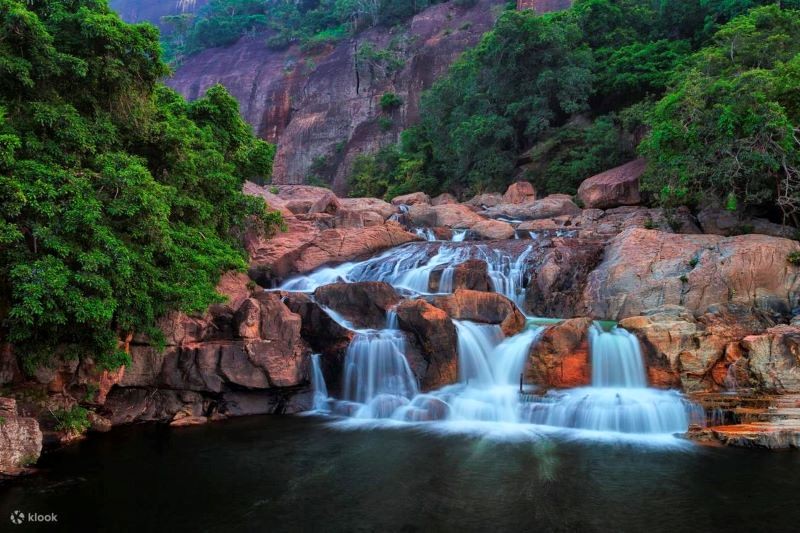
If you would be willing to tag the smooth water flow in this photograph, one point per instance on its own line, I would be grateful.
(375, 365)
(318, 384)
(618, 400)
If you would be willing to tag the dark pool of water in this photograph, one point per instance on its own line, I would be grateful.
(299, 474)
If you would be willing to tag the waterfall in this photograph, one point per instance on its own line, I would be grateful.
(508, 274)
(318, 385)
(375, 365)
(459, 235)
(618, 400)
(616, 359)
(476, 342)
(425, 233)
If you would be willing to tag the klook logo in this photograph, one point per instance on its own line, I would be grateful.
(18, 517)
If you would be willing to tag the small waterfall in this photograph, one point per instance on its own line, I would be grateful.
(375, 365)
(391, 319)
(426, 233)
(318, 385)
(476, 342)
(618, 400)
(459, 235)
(508, 274)
(616, 359)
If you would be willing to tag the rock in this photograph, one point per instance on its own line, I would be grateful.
(128, 405)
(777, 435)
(444, 198)
(559, 276)
(472, 274)
(20, 439)
(364, 304)
(550, 206)
(493, 230)
(521, 192)
(436, 335)
(416, 198)
(560, 358)
(304, 248)
(486, 200)
(484, 307)
(185, 420)
(309, 103)
(613, 188)
(272, 200)
(304, 199)
(455, 216)
(644, 269)
(99, 424)
(695, 354)
(346, 218)
(717, 221)
(774, 359)
(369, 205)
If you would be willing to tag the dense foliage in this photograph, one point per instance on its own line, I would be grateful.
(565, 95)
(730, 129)
(118, 200)
(311, 23)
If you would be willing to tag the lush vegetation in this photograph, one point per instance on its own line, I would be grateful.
(310, 23)
(562, 96)
(119, 201)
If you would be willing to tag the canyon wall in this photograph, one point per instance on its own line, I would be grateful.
(322, 106)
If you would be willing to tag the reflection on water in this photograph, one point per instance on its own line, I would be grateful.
(300, 474)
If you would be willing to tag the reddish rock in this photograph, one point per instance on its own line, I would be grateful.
(560, 359)
(521, 192)
(550, 206)
(368, 205)
(436, 334)
(416, 198)
(493, 230)
(444, 198)
(455, 216)
(773, 359)
(272, 200)
(20, 439)
(485, 200)
(613, 188)
(472, 274)
(364, 304)
(485, 307)
(645, 269)
(304, 248)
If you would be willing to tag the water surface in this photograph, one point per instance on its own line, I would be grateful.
(306, 474)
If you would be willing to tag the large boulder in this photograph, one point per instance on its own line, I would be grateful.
(774, 359)
(472, 274)
(456, 216)
(304, 248)
(613, 188)
(644, 269)
(521, 192)
(20, 439)
(548, 207)
(559, 276)
(302, 199)
(415, 198)
(272, 200)
(697, 353)
(436, 335)
(493, 230)
(717, 221)
(373, 205)
(364, 304)
(486, 200)
(560, 358)
(444, 198)
(484, 307)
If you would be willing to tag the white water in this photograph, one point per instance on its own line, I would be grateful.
(618, 400)
(318, 384)
(409, 268)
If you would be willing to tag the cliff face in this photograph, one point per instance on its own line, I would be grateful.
(322, 107)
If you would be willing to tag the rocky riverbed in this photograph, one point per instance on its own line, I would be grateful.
(713, 311)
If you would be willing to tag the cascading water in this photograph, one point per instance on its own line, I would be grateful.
(318, 384)
(425, 233)
(618, 400)
(410, 267)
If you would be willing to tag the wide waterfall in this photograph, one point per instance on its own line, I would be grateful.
(410, 267)
(618, 400)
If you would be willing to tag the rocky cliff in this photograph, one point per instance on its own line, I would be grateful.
(322, 107)
(152, 10)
